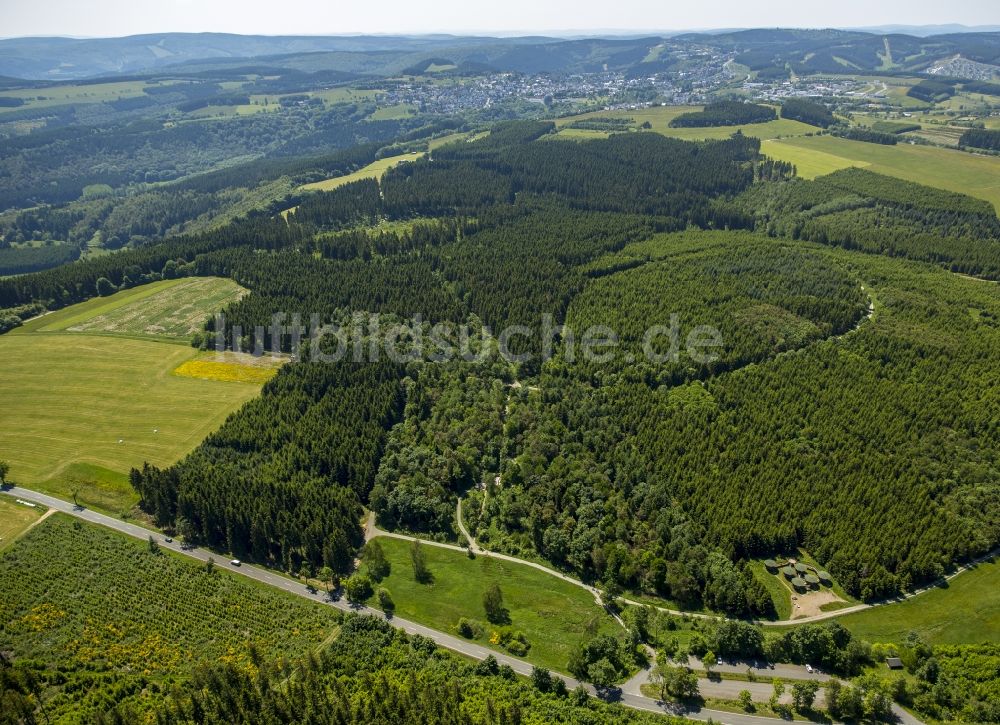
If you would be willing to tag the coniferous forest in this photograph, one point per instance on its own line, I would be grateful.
(658, 476)
(848, 406)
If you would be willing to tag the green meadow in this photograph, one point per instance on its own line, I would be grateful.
(659, 118)
(553, 614)
(89, 392)
(967, 610)
(83, 93)
(958, 171)
(374, 170)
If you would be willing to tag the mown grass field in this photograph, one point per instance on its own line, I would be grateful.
(809, 163)
(174, 309)
(966, 611)
(373, 170)
(15, 519)
(553, 614)
(108, 402)
(958, 171)
(82, 598)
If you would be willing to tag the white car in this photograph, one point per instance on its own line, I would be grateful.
(236, 562)
(809, 669)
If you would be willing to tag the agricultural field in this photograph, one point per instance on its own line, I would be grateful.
(174, 309)
(576, 134)
(374, 170)
(131, 304)
(659, 117)
(809, 163)
(436, 143)
(84, 93)
(81, 410)
(231, 367)
(937, 134)
(393, 113)
(106, 610)
(958, 171)
(966, 611)
(553, 614)
(345, 95)
(15, 519)
(245, 109)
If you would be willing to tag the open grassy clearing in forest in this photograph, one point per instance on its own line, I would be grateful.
(957, 171)
(553, 614)
(374, 170)
(171, 309)
(809, 163)
(83, 93)
(967, 610)
(394, 113)
(176, 309)
(85, 599)
(659, 118)
(15, 519)
(111, 403)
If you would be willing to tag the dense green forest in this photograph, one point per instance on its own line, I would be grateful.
(858, 209)
(766, 457)
(373, 673)
(282, 481)
(850, 407)
(24, 259)
(932, 90)
(868, 136)
(725, 113)
(587, 480)
(800, 109)
(981, 138)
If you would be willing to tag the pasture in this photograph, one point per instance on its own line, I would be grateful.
(374, 170)
(105, 403)
(553, 614)
(966, 611)
(958, 171)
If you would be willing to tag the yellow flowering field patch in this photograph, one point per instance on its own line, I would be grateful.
(225, 371)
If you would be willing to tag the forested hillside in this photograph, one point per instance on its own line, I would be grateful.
(661, 474)
(857, 209)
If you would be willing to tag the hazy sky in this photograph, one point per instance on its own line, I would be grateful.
(318, 17)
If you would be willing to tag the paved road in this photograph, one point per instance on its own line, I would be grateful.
(448, 641)
(764, 671)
